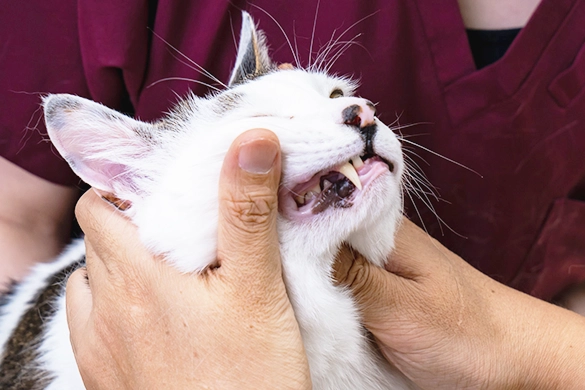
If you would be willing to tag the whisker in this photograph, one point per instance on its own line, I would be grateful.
(397, 121)
(349, 28)
(196, 69)
(423, 182)
(413, 203)
(411, 151)
(184, 79)
(422, 196)
(233, 34)
(295, 40)
(295, 57)
(199, 67)
(399, 126)
(414, 135)
(313, 32)
(345, 45)
(323, 52)
(443, 157)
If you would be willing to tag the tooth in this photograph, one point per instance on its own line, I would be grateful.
(349, 171)
(300, 199)
(357, 162)
(309, 196)
(316, 189)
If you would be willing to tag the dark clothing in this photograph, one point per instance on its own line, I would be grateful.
(519, 122)
(488, 46)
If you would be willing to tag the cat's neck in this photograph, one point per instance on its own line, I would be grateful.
(336, 343)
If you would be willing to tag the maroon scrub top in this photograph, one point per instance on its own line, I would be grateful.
(518, 123)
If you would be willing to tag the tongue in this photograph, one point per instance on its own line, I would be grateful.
(335, 193)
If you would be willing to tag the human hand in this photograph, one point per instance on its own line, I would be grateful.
(141, 324)
(448, 326)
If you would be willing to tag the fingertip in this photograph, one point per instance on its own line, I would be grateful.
(255, 152)
(257, 156)
(85, 203)
(88, 209)
(372, 286)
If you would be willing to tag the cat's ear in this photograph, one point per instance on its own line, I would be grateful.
(252, 59)
(106, 149)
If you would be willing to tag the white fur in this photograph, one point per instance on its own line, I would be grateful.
(56, 354)
(172, 182)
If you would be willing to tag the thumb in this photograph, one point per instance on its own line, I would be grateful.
(248, 194)
(399, 288)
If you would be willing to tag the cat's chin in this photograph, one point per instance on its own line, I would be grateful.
(338, 187)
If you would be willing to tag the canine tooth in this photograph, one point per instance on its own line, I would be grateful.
(324, 184)
(349, 171)
(357, 162)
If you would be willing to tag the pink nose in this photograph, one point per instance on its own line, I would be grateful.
(359, 115)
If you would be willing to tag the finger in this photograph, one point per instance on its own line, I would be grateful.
(79, 303)
(375, 290)
(108, 232)
(247, 237)
(408, 260)
(414, 262)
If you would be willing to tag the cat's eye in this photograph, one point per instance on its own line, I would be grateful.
(337, 93)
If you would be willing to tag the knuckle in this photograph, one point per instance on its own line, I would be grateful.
(251, 207)
(355, 274)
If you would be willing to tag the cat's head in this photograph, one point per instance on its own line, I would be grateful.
(342, 167)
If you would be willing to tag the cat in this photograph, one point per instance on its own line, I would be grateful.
(341, 183)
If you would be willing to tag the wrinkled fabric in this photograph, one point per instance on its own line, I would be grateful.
(516, 212)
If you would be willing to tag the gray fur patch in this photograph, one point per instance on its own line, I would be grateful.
(253, 59)
(225, 102)
(19, 365)
(56, 105)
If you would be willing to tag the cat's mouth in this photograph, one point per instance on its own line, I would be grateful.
(338, 186)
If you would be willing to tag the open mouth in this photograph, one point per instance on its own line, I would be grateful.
(338, 186)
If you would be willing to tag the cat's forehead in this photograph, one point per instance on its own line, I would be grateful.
(297, 81)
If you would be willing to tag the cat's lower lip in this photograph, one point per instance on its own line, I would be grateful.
(330, 188)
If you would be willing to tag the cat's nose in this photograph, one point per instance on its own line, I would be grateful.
(359, 115)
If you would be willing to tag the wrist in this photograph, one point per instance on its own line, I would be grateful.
(560, 358)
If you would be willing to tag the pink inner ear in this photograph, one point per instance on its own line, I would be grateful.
(106, 149)
(104, 175)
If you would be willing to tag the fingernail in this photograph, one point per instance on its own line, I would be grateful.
(120, 204)
(257, 156)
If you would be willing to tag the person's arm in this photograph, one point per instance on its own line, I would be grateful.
(141, 324)
(446, 325)
(35, 220)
